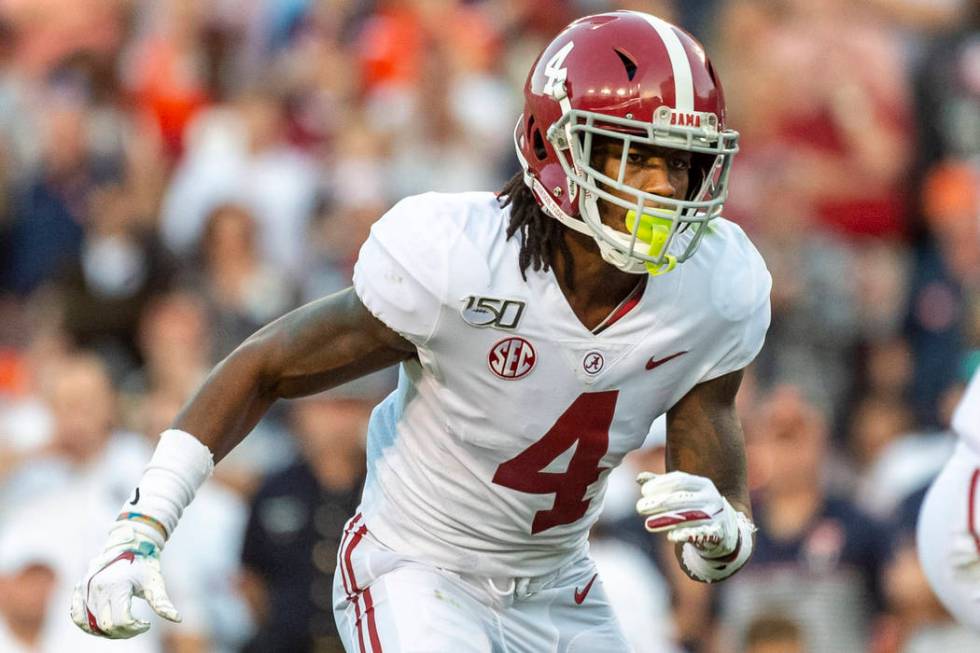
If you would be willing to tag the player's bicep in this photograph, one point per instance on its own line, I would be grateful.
(326, 343)
(704, 437)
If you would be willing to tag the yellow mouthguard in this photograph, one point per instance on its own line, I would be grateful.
(653, 229)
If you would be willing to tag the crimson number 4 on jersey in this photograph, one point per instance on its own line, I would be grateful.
(585, 424)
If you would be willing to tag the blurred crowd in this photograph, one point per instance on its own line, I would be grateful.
(176, 173)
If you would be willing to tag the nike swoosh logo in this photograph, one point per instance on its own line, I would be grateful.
(653, 362)
(136, 498)
(580, 595)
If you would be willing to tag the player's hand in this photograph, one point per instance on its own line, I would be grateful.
(690, 510)
(129, 566)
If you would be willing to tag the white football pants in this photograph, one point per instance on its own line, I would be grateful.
(387, 602)
(948, 536)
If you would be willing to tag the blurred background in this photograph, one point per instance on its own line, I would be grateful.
(176, 173)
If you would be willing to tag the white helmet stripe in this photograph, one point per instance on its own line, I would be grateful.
(683, 78)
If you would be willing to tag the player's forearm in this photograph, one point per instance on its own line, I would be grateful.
(725, 466)
(705, 438)
(236, 394)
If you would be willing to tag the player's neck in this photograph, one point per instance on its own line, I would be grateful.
(597, 287)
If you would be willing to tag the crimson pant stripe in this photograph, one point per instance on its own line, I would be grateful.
(347, 558)
(372, 624)
(351, 525)
(353, 535)
(360, 628)
(971, 506)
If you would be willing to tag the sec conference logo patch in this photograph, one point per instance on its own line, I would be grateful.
(512, 358)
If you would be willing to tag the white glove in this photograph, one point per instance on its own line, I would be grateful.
(691, 510)
(129, 566)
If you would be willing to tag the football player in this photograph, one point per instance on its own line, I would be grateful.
(539, 332)
(948, 533)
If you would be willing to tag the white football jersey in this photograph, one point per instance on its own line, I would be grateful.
(966, 418)
(491, 456)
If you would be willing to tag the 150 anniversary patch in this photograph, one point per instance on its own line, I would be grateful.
(485, 312)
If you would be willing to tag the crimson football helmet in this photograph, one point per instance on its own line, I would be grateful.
(632, 77)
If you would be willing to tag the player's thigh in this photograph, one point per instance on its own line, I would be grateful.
(411, 609)
(950, 518)
(574, 616)
(591, 626)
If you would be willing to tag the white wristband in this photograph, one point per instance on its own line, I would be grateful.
(180, 464)
(712, 570)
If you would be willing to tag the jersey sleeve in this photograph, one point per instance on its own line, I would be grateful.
(747, 338)
(740, 295)
(401, 274)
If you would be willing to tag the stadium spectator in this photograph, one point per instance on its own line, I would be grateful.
(37, 344)
(26, 583)
(295, 525)
(876, 422)
(237, 154)
(807, 538)
(50, 209)
(115, 275)
(338, 229)
(80, 399)
(51, 30)
(894, 460)
(887, 368)
(816, 326)
(164, 72)
(47, 494)
(175, 344)
(243, 291)
(773, 633)
(944, 296)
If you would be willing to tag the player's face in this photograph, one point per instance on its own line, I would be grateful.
(657, 170)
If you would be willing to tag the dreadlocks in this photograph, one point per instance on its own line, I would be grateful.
(541, 235)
